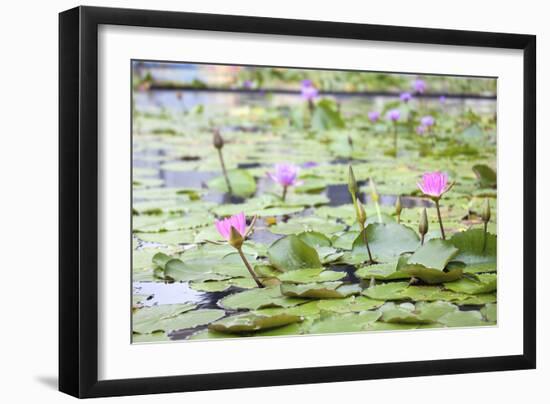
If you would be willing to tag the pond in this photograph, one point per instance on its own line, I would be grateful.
(307, 246)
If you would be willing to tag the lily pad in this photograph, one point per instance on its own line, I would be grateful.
(253, 322)
(310, 275)
(387, 241)
(463, 319)
(320, 290)
(489, 311)
(470, 244)
(242, 183)
(146, 320)
(486, 176)
(259, 298)
(350, 322)
(485, 283)
(349, 304)
(387, 271)
(434, 254)
(291, 253)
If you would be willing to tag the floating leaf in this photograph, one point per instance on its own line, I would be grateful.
(387, 271)
(485, 283)
(220, 286)
(489, 311)
(146, 319)
(349, 304)
(259, 298)
(253, 322)
(486, 176)
(463, 319)
(434, 254)
(470, 245)
(350, 322)
(387, 241)
(242, 183)
(308, 223)
(291, 253)
(320, 290)
(310, 275)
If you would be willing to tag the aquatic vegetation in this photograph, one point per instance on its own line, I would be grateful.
(257, 213)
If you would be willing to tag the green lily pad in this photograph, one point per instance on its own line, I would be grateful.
(147, 319)
(320, 290)
(248, 322)
(386, 291)
(423, 313)
(489, 311)
(485, 283)
(220, 286)
(159, 336)
(259, 298)
(291, 253)
(349, 304)
(242, 183)
(486, 176)
(471, 252)
(169, 237)
(307, 223)
(434, 254)
(350, 322)
(431, 275)
(309, 275)
(387, 241)
(386, 271)
(463, 319)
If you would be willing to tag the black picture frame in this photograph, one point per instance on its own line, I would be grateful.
(78, 201)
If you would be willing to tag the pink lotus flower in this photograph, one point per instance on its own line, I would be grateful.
(373, 116)
(434, 184)
(419, 86)
(393, 115)
(309, 92)
(237, 221)
(285, 174)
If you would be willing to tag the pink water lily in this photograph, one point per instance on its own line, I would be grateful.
(434, 184)
(419, 86)
(393, 115)
(309, 92)
(285, 174)
(405, 97)
(237, 224)
(427, 120)
(373, 116)
(237, 221)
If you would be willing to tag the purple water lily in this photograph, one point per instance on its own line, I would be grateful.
(419, 86)
(286, 175)
(405, 97)
(393, 115)
(374, 116)
(310, 164)
(442, 99)
(427, 120)
(309, 92)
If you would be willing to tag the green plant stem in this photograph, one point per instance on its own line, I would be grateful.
(398, 219)
(422, 239)
(484, 236)
(366, 241)
(229, 189)
(378, 212)
(283, 197)
(439, 218)
(247, 264)
(395, 139)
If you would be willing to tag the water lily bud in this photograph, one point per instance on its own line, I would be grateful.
(373, 192)
(423, 225)
(486, 215)
(360, 212)
(235, 238)
(352, 183)
(398, 207)
(217, 140)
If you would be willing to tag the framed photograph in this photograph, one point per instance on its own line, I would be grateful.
(251, 201)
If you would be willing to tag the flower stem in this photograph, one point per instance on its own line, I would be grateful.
(378, 212)
(439, 218)
(229, 189)
(366, 241)
(395, 139)
(484, 236)
(283, 197)
(422, 239)
(247, 264)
